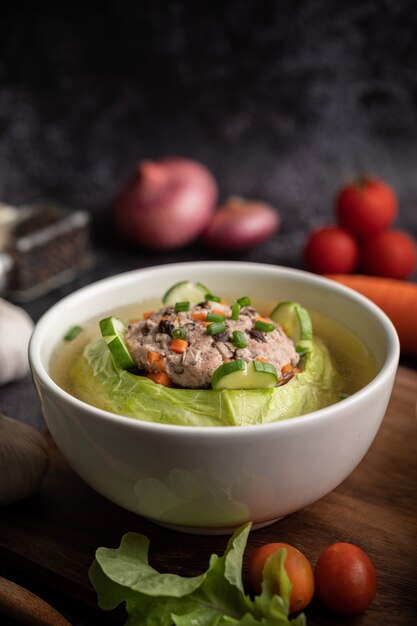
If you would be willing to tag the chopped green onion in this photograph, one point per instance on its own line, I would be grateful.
(214, 317)
(235, 311)
(181, 306)
(239, 339)
(244, 301)
(265, 327)
(343, 395)
(216, 328)
(72, 333)
(179, 333)
(209, 296)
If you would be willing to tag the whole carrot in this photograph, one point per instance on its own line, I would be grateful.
(397, 298)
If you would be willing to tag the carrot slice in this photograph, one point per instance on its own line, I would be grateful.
(218, 312)
(153, 357)
(178, 345)
(161, 378)
(286, 369)
(263, 319)
(160, 364)
(199, 316)
(155, 360)
(259, 358)
(147, 314)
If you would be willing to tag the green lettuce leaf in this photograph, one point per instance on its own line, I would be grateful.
(98, 381)
(214, 598)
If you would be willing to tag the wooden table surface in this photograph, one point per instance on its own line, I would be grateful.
(52, 536)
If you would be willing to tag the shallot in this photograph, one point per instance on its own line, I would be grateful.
(241, 224)
(167, 203)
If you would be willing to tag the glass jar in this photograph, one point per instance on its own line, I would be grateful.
(42, 246)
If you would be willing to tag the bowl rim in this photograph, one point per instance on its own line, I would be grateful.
(330, 412)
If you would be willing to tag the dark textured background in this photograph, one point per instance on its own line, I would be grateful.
(282, 100)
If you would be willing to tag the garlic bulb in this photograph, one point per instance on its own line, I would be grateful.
(24, 460)
(15, 330)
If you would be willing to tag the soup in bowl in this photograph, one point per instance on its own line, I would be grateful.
(248, 404)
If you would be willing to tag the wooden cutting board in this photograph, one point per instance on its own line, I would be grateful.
(52, 536)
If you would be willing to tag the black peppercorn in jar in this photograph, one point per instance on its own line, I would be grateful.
(42, 246)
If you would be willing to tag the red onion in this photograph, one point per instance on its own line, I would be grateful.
(166, 203)
(241, 224)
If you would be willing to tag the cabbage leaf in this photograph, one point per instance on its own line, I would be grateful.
(97, 380)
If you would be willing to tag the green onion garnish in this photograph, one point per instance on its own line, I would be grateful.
(72, 333)
(179, 333)
(181, 306)
(239, 339)
(216, 328)
(343, 395)
(209, 296)
(265, 327)
(244, 301)
(235, 311)
(214, 317)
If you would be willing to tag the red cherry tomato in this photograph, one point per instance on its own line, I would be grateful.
(391, 253)
(331, 250)
(366, 207)
(298, 569)
(345, 579)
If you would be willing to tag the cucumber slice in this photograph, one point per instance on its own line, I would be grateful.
(113, 331)
(261, 375)
(239, 375)
(295, 320)
(227, 374)
(185, 291)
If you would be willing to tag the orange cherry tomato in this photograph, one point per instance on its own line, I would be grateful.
(298, 569)
(345, 579)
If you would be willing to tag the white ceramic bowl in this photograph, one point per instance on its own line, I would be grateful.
(212, 479)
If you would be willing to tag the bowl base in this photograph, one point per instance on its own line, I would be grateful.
(213, 530)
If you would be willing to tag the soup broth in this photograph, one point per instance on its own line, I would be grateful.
(350, 357)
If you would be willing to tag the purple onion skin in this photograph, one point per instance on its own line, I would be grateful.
(240, 225)
(167, 203)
